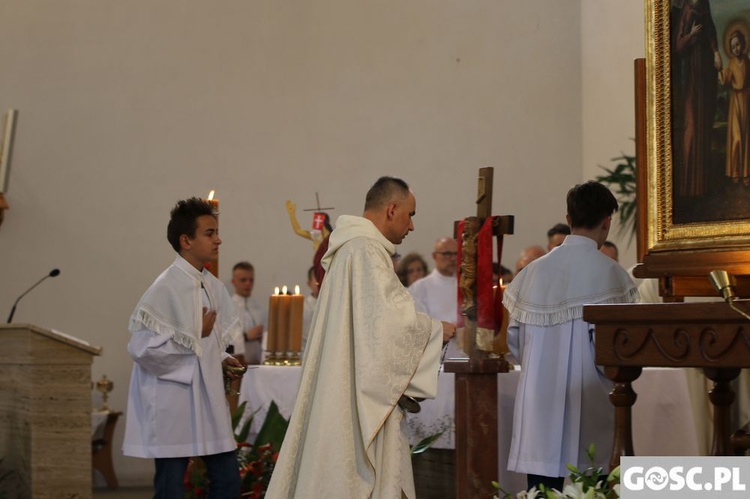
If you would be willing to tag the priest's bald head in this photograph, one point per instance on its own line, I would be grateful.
(590, 209)
(390, 206)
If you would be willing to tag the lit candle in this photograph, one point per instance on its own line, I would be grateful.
(284, 302)
(295, 321)
(213, 202)
(213, 266)
(273, 322)
(501, 339)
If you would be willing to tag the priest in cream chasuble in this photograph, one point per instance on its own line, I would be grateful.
(367, 348)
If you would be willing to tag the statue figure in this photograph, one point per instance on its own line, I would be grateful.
(468, 267)
(316, 236)
(319, 238)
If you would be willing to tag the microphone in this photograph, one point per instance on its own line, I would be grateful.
(52, 273)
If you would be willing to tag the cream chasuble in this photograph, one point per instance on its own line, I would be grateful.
(367, 347)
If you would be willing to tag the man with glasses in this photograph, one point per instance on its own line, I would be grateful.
(435, 295)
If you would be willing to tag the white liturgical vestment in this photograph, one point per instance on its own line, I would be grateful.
(367, 347)
(437, 296)
(176, 403)
(251, 314)
(562, 403)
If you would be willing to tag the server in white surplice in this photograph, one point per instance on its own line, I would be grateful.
(562, 401)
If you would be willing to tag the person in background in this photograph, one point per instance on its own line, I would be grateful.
(610, 249)
(253, 315)
(556, 235)
(527, 256)
(437, 294)
(411, 268)
(395, 259)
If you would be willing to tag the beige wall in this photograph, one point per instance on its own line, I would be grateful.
(126, 107)
(612, 34)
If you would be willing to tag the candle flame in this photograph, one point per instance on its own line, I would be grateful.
(283, 290)
(296, 289)
(276, 290)
(211, 195)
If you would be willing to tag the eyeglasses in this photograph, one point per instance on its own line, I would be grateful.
(447, 253)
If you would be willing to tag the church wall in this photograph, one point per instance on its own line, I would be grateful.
(612, 34)
(126, 107)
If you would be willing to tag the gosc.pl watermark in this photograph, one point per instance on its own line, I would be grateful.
(684, 477)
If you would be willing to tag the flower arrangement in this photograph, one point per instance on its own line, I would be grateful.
(585, 484)
(255, 461)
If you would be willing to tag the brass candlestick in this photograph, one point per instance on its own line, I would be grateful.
(104, 386)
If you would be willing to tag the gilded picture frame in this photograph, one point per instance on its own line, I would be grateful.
(693, 204)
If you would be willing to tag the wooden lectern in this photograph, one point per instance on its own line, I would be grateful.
(706, 335)
(45, 412)
(681, 255)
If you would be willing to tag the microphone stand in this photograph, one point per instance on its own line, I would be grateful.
(13, 310)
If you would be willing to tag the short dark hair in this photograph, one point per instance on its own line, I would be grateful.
(590, 203)
(610, 244)
(244, 265)
(563, 229)
(183, 219)
(383, 190)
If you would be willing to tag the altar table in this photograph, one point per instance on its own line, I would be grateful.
(663, 422)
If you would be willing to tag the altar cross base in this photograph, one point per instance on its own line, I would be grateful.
(476, 388)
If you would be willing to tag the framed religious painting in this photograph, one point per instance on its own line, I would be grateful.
(696, 196)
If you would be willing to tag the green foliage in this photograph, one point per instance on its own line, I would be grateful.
(425, 443)
(621, 180)
(255, 461)
(273, 430)
(585, 484)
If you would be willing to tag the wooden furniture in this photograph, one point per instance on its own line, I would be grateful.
(476, 424)
(45, 412)
(476, 377)
(101, 451)
(707, 335)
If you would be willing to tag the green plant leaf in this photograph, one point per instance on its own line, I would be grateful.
(425, 444)
(241, 436)
(591, 452)
(237, 414)
(273, 430)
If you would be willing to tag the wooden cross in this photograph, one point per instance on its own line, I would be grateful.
(317, 203)
(476, 387)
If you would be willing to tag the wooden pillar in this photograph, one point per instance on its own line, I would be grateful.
(622, 397)
(722, 397)
(476, 425)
